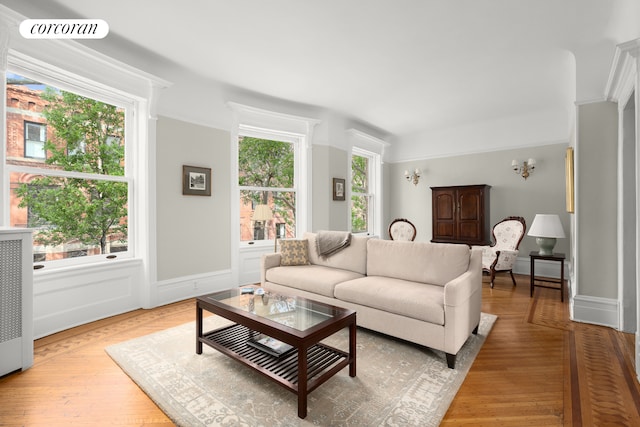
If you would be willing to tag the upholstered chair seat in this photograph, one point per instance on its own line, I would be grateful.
(502, 254)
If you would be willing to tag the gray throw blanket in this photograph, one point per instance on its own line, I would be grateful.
(330, 242)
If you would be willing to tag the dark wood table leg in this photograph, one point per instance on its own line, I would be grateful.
(198, 329)
(532, 277)
(562, 281)
(302, 382)
(352, 349)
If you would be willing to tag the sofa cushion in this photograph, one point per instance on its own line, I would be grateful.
(411, 299)
(432, 263)
(294, 252)
(353, 257)
(313, 278)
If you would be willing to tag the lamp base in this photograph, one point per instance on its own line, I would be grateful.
(546, 245)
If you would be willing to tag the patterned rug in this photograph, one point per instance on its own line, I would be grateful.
(397, 383)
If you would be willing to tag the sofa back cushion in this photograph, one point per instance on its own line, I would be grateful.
(432, 263)
(352, 258)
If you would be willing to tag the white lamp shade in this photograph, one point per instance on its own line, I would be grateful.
(546, 225)
(262, 213)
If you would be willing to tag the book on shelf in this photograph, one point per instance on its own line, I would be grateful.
(269, 345)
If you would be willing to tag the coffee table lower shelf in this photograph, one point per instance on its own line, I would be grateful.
(322, 361)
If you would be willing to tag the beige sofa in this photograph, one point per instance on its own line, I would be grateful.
(426, 293)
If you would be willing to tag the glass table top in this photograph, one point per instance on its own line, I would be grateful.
(295, 312)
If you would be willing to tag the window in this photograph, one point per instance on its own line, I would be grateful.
(77, 199)
(35, 135)
(266, 180)
(364, 173)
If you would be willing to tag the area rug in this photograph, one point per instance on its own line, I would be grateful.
(397, 383)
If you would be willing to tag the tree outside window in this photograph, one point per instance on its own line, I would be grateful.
(267, 192)
(78, 199)
(360, 195)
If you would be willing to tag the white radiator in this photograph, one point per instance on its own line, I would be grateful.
(16, 300)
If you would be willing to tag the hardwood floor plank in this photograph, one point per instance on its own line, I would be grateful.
(537, 368)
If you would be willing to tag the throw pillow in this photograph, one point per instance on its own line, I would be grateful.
(294, 252)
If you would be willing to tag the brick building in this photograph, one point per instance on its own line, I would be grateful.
(27, 132)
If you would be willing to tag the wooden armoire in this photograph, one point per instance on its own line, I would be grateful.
(461, 214)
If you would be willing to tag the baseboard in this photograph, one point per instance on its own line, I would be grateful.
(595, 310)
(168, 291)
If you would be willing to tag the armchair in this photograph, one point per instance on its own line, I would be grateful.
(502, 254)
(402, 229)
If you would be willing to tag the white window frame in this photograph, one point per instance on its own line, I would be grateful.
(61, 79)
(373, 176)
(362, 143)
(297, 142)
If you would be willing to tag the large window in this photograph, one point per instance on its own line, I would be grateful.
(266, 179)
(363, 191)
(77, 196)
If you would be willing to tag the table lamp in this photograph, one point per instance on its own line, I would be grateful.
(261, 215)
(546, 229)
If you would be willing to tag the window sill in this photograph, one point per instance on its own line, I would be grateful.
(90, 267)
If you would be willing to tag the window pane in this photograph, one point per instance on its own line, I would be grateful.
(359, 213)
(359, 174)
(70, 217)
(263, 213)
(265, 163)
(80, 134)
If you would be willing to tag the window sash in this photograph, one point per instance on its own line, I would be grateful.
(274, 224)
(82, 87)
(363, 192)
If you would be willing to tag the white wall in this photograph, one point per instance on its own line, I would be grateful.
(328, 214)
(596, 200)
(192, 231)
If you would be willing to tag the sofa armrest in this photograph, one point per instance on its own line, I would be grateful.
(460, 289)
(266, 262)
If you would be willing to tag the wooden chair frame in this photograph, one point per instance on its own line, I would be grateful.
(403, 220)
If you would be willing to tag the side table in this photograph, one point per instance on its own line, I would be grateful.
(558, 257)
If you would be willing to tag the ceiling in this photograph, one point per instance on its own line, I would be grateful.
(403, 66)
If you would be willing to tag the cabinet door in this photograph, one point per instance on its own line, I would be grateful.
(470, 215)
(444, 215)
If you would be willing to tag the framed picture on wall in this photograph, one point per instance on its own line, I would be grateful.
(338, 189)
(196, 181)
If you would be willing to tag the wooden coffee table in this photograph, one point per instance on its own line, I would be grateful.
(298, 322)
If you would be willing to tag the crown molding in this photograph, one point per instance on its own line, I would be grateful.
(623, 71)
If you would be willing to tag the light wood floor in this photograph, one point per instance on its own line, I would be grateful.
(536, 369)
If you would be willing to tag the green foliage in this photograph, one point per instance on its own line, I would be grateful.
(88, 138)
(267, 164)
(359, 187)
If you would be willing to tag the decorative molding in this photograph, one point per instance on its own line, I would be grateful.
(78, 59)
(272, 120)
(595, 310)
(620, 83)
(366, 141)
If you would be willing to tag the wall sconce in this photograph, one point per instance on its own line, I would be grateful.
(413, 176)
(525, 169)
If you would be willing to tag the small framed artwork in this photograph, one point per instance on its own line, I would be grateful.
(196, 181)
(338, 189)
